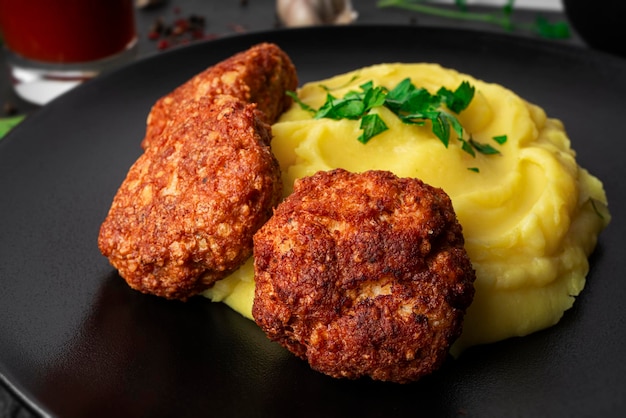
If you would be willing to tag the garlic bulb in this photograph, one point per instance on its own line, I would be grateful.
(146, 4)
(293, 13)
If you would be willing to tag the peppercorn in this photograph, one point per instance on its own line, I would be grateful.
(180, 32)
(163, 44)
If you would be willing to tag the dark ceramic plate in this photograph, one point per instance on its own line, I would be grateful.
(75, 341)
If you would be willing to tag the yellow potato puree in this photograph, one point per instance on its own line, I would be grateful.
(530, 216)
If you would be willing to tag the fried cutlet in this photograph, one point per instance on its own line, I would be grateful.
(185, 215)
(363, 275)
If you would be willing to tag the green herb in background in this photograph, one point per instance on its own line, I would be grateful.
(412, 105)
(502, 17)
(6, 124)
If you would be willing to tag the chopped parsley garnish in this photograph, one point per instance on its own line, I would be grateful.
(500, 139)
(6, 124)
(371, 125)
(483, 148)
(412, 105)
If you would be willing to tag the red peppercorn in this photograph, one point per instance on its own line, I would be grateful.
(163, 44)
(181, 31)
(180, 26)
(197, 34)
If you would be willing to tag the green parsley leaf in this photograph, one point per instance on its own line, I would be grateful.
(474, 169)
(500, 139)
(456, 125)
(327, 108)
(6, 124)
(421, 101)
(374, 97)
(347, 108)
(467, 147)
(296, 99)
(483, 148)
(441, 128)
(371, 124)
(397, 96)
(457, 100)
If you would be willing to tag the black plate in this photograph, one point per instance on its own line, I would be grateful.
(75, 341)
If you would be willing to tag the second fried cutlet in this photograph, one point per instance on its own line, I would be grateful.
(185, 215)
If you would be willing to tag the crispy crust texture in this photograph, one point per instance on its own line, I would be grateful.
(258, 75)
(185, 215)
(363, 275)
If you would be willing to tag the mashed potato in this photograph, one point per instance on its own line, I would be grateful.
(530, 216)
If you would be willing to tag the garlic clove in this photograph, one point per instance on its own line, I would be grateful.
(294, 13)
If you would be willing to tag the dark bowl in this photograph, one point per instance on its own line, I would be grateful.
(599, 23)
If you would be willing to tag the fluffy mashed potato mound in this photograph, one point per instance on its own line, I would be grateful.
(530, 215)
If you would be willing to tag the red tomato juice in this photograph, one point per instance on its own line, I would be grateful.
(67, 31)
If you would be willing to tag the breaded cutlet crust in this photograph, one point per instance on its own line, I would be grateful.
(185, 215)
(363, 275)
(258, 75)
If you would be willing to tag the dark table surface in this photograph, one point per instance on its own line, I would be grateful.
(229, 18)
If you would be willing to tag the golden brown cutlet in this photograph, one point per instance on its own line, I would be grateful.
(185, 215)
(363, 275)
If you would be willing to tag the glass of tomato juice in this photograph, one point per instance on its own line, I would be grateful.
(53, 45)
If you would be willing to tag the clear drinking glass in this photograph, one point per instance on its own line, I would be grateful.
(53, 45)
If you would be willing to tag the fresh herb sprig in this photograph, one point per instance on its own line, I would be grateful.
(412, 105)
(6, 124)
(503, 17)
